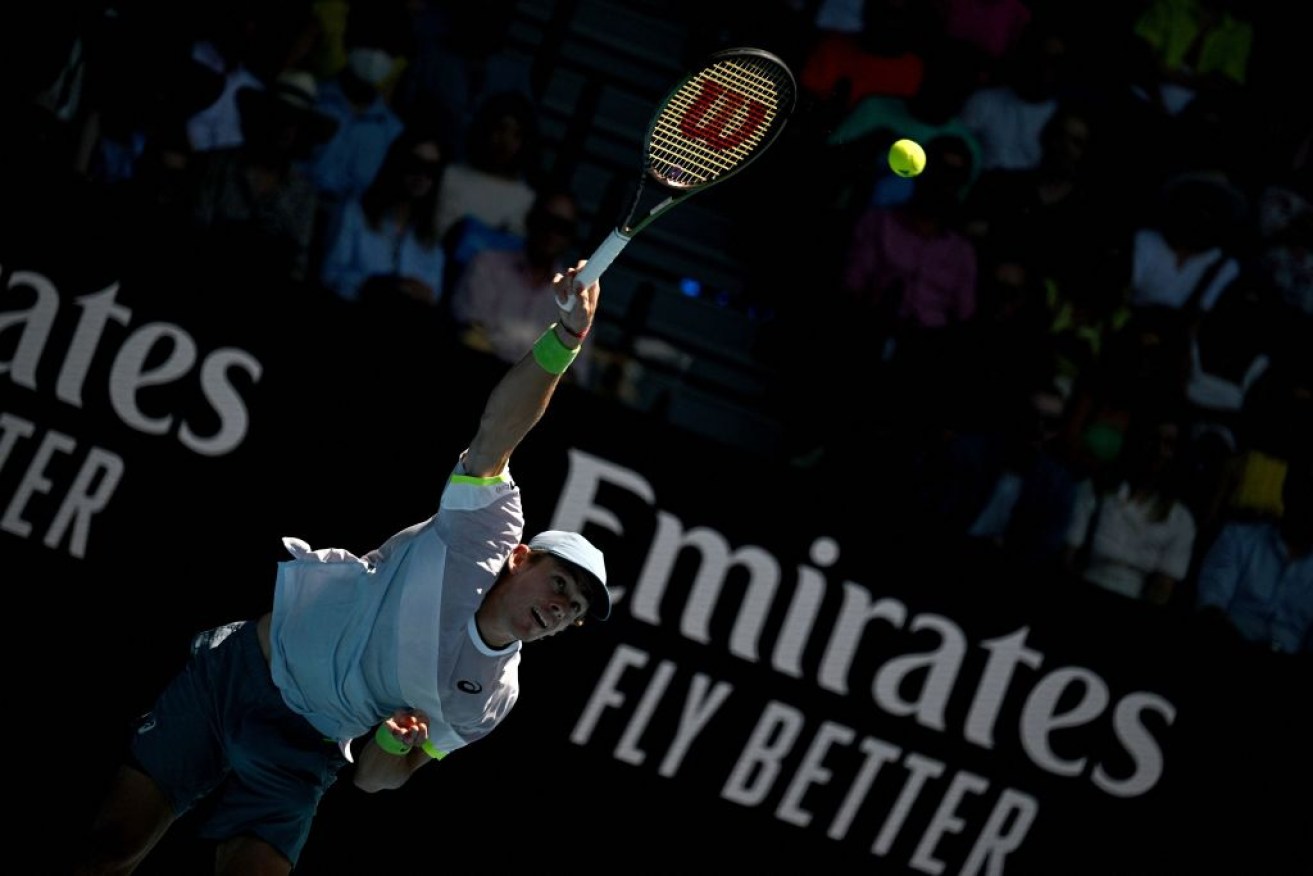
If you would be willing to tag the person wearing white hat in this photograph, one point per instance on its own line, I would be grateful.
(388, 661)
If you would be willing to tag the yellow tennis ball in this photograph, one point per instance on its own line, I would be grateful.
(906, 158)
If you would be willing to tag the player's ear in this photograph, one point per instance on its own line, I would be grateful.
(519, 554)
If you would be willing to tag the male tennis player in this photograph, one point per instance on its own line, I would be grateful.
(417, 642)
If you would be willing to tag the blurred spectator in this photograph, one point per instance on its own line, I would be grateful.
(1187, 250)
(1277, 423)
(1189, 47)
(223, 46)
(1131, 375)
(856, 172)
(1008, 114)
(1087, 298)
(839, 16)
(1285, 246)
(255, 201)
(907, 280)
(492, 184)
(503, 298)
(1003, 489)
(387, 245)
(460, 60)
(334, 27)
(327, 56)
(1005, 343)
(159, 196)
(345, 165)
(1257, 575)
(146, 94)
(1063, 206)
(874, 48)
(1131, 533)
(992, 27)
(910, 268)
(1229, 351)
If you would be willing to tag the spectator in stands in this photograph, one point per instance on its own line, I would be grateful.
(877, 50)
(1008, 114)
(487, 191)
(224, 46)
(910, 269)
(1285, 238)
(993, 28)
(1257, 575)
(907, 280)
(254, 202)
(1088, 303)
(1062, 204)
(1003, 344)
(853, 160)
(348, 163)
(146, 88)
(1186, 251)
(1131, 533)
(503, 295)
(1002, 490)
(1186, 47)
(387, 245)
(460, 60)
(1277, 428)
(1229, 351)
(1131, 375)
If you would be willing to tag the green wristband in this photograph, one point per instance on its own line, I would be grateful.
(432, 750)
(551, 354)
(386, 741)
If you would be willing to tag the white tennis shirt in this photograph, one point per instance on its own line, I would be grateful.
(355, 638)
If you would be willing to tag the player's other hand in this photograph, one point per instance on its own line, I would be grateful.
(409, 726)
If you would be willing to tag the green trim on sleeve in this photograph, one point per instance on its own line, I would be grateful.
(478, 482)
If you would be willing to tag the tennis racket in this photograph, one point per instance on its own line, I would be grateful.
(709, 127)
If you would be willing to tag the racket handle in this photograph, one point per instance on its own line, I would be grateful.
(602, 257)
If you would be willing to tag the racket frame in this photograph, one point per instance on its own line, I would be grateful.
(676, 193)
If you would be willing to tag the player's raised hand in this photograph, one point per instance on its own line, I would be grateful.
(577, 302)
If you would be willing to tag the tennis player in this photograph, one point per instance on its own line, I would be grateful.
(388, 661)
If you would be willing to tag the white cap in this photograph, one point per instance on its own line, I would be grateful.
(574, 548)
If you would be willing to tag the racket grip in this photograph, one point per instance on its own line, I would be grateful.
(602, 257)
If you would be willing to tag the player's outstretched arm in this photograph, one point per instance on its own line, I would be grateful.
(520, 398)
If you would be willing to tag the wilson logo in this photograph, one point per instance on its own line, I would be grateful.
(722, 118)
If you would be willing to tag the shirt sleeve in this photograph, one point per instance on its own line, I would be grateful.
(1219, 571)
(342, 271)
(1082, 512)
(1292, 623)
(1179, 549)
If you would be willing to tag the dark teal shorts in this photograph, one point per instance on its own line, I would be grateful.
(220, 735)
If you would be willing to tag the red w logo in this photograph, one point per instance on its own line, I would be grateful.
(718, 117)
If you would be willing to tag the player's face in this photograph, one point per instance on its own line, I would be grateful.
(541, 598)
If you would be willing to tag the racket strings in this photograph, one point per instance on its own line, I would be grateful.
(716, 120)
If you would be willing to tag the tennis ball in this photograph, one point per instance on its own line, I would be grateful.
(906, 158)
